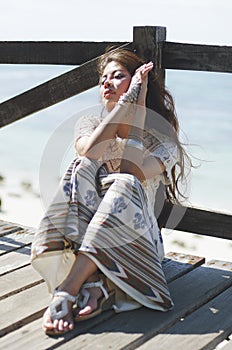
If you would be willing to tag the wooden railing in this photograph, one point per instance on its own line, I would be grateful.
(150, 43)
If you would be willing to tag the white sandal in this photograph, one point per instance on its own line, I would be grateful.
(84, 295)
(61, 303)
(59, 309)
(104, 303)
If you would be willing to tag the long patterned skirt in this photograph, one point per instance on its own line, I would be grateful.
(107, 217)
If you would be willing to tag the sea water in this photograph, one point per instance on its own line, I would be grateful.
(204, 108)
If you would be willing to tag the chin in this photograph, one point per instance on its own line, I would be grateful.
(109, 105)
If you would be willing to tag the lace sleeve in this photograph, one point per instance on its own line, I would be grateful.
(168, 153)
(85, 126)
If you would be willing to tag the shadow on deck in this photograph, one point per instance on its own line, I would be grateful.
(201, 317)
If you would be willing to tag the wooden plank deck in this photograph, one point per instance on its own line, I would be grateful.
(200, 319)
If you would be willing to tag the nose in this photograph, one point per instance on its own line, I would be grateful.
(107, 82)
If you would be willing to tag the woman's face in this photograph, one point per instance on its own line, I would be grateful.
(115, 81)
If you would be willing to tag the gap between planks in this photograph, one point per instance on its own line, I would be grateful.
(172, 270)
(130, 330)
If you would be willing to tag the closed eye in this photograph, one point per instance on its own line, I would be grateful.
(102, 81)
(115, 75)
(119, 76)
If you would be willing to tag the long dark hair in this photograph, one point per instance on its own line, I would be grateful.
(159, 100)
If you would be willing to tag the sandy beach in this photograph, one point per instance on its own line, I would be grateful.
(25, 208)
(205, 120)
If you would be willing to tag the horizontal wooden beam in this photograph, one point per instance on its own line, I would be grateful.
(52, 52)
(197, 57)
(174, 55)
(199, 221)
(51, 92)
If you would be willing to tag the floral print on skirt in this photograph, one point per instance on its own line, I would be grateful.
(107, 217)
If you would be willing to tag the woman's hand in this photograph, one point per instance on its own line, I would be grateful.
(141, 74)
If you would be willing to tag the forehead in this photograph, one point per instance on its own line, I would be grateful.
(112, 67)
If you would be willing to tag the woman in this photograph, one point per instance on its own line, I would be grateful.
(99, 245)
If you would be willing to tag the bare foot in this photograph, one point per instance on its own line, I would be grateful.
(94, 294)
(57, 326)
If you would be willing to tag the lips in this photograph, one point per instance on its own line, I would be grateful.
(108, 93)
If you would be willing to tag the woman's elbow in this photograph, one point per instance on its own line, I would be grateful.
(82, 147)
(83, 150)
(80, 150)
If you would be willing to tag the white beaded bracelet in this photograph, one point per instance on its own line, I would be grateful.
(132, 93)
(135, 143)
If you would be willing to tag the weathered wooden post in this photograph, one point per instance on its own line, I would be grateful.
(148, 42)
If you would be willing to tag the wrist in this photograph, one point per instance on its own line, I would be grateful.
(132, 94)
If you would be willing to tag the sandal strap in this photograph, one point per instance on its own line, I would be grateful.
(98, 284)
(83, 297)
(65, 295)
(84, 293)
(59, 307)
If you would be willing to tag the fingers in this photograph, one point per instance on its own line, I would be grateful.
(145, 69)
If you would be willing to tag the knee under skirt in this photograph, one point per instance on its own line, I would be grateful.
(108, 218)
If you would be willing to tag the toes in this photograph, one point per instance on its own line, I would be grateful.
(61, 326)
(87, 310)
(56, 326)
(47, 322)
(66, 324)
(70, 327)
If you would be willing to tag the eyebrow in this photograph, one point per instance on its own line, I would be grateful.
(116, 70)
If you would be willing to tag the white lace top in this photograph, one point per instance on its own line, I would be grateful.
(166, 151)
